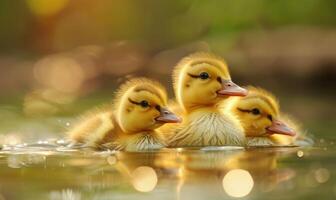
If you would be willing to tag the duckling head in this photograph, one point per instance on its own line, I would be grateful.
(259, 114)
(203, 80)
(141, 105)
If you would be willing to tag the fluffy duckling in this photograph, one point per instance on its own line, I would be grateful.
(259, 113)
(201, 82)
(139, 108)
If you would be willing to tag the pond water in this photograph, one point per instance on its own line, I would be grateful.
(53, 171)
(33, 166)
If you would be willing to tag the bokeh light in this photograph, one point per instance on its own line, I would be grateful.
(59, 72)
(322, 175)
(112, 160)
(46, 102)
(300, 153)
(46, 8)
(144, 179)
(238, 183)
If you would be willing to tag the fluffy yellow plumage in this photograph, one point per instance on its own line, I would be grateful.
(263, 123)
(201, 82)
(138, 109)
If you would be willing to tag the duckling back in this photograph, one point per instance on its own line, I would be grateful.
(93, 128)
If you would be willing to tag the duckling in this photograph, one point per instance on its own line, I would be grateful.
(139, 108)
(201, 82)
(302, 137)
(264, 125)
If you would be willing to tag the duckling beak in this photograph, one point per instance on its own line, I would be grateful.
(279, 127)
(166, 116)
(229, 88)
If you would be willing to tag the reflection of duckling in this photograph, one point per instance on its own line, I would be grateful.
(263, 166)
(238, 172)
(201, 82)
(260, 116)
(138, 169)
(139, 109)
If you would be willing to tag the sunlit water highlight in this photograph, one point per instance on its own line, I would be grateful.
(50, 169)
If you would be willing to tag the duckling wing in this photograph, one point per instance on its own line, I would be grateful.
(93, 129)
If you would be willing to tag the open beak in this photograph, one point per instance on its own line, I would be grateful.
(279, 127)
(166, 116)
(231, 89)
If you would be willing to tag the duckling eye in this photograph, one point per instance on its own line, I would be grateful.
(255, 111)
(144, 104)
(219, 79)
(204, 75)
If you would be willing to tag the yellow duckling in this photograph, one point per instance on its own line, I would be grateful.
(259, 113)
(139, 108)
(201, 82)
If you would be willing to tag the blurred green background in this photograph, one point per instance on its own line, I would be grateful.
(61, 57)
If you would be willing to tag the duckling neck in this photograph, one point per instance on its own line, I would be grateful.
(213, 108)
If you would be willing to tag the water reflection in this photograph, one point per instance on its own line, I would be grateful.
(322, 175)
(66, 194)
(238, 183)
(236, 171)
(166, 174)
(144, 179)
(24, 160)
(112, 160)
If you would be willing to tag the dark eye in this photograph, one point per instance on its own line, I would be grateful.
(255, 111)
(144, 104)
(270, 117)
(204, 75)
(219, 79)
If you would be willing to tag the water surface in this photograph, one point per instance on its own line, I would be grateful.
(34, 166)
(52, 171)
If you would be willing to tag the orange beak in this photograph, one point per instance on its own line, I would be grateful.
(231, 89)
(279, 127)
(166, 116)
